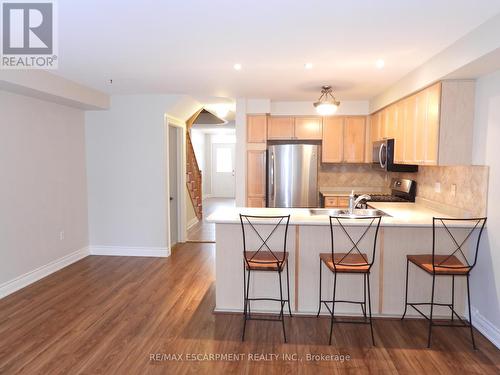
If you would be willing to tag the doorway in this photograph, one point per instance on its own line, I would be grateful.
(173, 174)
(223, 180)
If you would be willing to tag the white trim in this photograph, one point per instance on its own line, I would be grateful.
(30, 277)
(487, 328)
(192, 222)
(128, 251)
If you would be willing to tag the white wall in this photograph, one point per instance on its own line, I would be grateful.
(43, 189)
(126, 161)
(472, 47)
(352, 107)
(486, 277)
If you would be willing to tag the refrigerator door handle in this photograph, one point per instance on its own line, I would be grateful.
(271, 172)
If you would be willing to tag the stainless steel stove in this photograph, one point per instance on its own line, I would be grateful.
(402, 190)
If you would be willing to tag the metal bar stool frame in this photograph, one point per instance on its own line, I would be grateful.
(278, 262)
(480, 223)
(374, 223)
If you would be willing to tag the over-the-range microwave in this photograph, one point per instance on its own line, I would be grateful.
(383, 158)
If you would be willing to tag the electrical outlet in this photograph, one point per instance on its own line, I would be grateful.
(437, 187)
(453, 190)
(61, 235)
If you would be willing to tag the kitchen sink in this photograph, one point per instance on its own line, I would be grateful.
(345, 213)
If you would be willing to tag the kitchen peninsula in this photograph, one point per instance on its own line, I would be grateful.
(406, 230)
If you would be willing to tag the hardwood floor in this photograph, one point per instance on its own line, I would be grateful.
(203, 231)
(109, 315)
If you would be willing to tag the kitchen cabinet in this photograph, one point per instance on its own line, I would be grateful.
(375, 127)
(256, 128)
(308, 128)
(294, 128)
(256, 178)
(409, 133)
(256, 202)
(431, 127)
(280, 127)
(344, 139)
(354, 139)
(397, 131)
(332, 150)
(336, 202)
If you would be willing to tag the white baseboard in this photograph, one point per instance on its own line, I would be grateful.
(191, 223)
(484, 326)
(127, 251)
(28, 278)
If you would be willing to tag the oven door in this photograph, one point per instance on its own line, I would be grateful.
(379, 156)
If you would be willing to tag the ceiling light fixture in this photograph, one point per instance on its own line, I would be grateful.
(237, 66)
(326, 105)
(380, 63)
(308, 66)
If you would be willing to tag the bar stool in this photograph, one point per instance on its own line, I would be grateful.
(264, 259)
(354, 261)
(447, 265)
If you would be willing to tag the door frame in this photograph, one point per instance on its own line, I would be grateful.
(180, 127)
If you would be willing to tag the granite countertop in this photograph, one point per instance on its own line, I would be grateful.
(402, 215)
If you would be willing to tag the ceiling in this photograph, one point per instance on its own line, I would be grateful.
(190, 46)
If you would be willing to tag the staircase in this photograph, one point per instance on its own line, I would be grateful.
(193, 177)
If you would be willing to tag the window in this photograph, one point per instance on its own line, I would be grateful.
(224, 160)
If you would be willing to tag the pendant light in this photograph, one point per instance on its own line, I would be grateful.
(327, 104)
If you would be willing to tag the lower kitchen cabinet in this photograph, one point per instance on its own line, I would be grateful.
(336, 202)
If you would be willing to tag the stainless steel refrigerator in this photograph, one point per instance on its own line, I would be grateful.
(292, 175)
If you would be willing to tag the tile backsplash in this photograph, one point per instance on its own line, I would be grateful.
(469, 193)
(349, 175)
(462, 187)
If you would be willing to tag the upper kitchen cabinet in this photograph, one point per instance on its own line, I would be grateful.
(332, 150)
(280, 127)
(256, 128)
(308, 128)
(431, 127)
(354, 139)
(375, 127)
(294, 128)
(344, 139)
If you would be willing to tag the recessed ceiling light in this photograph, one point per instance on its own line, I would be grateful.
(308, 66)
(237, 66)
(380, 63)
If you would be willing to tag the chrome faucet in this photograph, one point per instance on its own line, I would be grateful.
(353, 203)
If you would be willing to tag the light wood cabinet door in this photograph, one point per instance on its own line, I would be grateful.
(390, 122)
(256, 173)
(354, 139)
(383, 124)
(331, 202)
(432, 124)
(398, 131)
(343, 202)
(375, 127)
(410, 109)
(256, 128)
(308, 128)
(256, 202)
(420, 126)
(333, 140)
(280, 127)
